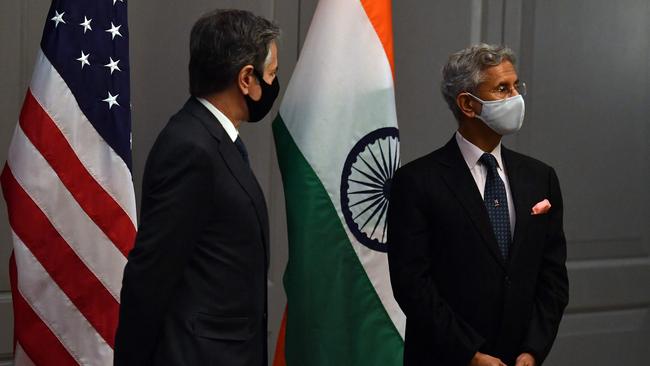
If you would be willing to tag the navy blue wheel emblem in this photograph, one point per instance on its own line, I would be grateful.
(365, 186)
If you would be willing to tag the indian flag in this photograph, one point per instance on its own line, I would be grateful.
(338, 146)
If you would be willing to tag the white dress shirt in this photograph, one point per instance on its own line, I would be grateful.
(226, 123)
(472, 154)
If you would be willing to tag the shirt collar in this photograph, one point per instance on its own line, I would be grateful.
(226, 123)
(472, 153)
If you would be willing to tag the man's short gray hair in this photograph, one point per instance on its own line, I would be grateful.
(464, 70)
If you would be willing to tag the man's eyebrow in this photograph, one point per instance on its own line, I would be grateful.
(505, 81)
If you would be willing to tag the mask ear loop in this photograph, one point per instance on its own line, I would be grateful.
(475, 97)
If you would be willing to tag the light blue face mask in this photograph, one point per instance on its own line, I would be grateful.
(504, 116)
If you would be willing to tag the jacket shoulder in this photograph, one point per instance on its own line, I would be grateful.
(528, 161)
(425, 163)
(185, 129)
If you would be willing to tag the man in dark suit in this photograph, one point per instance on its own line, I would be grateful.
(476, 245)
(194, 289)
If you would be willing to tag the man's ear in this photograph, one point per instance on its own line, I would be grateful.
(245, 78)
(467, 104)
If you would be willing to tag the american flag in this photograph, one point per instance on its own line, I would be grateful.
(68, 187)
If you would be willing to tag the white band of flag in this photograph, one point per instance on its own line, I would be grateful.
(57, 312)
(21, 358)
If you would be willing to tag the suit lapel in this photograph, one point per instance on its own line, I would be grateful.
(460, 181)
(518, 189)
(243, 174)
(235, 162)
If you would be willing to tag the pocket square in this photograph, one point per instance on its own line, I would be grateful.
(541, 207)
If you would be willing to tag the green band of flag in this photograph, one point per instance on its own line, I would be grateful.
(334, 314)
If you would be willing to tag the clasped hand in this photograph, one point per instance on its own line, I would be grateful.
(482, 359)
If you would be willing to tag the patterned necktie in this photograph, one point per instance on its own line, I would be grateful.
(496, 203)
(242, 149)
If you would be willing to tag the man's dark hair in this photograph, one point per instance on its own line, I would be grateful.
(224, 41)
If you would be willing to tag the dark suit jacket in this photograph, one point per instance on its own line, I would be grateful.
(458, 294)
(194, 287)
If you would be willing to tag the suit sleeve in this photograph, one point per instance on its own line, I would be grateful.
(552, 292)
(173, 214)
(414, 289)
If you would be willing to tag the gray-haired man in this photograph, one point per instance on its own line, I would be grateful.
(476, 245)
(194, 288)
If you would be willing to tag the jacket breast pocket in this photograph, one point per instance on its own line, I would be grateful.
(539, 219)
(538, 227)
(221, 328)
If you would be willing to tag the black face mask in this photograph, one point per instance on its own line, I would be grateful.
(257, 109)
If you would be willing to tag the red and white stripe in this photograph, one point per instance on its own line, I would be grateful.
(72, 213)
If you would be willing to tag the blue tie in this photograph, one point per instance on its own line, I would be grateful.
(496, 203)
(242, 149)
